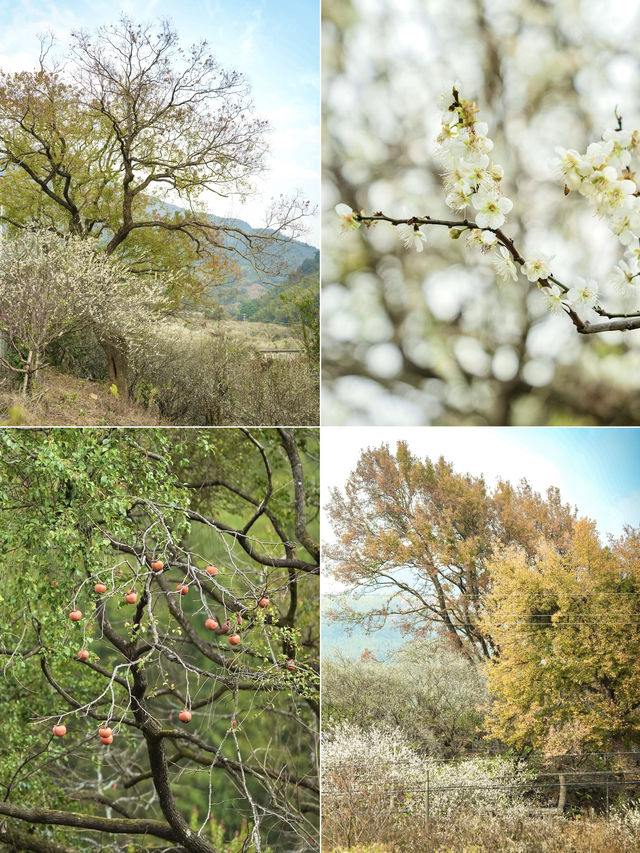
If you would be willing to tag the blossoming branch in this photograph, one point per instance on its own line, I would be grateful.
(473, 183)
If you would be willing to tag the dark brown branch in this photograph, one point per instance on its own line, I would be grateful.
(613, 323)
(17, 840)
(287, 437)
(55, 817)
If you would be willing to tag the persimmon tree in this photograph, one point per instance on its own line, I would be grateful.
(421, 533)
(176, 712)
(90, 145)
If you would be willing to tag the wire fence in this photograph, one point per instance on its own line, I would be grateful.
(613, 771)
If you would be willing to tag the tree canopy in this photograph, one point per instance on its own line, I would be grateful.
(564, 622)
(422, 533)
(161, 585)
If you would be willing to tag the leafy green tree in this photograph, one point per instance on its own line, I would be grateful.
(564, 679)
(565, 627)
(112, 526)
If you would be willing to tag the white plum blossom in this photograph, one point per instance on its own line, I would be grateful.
(459, 198)
(583, 293)
(537, 268)
(624, 275)
(605, 174)
(347, 215)
(464, 148)
(625, 222)
(481, 129)
(485, 239)
(569, 163)
(412, 238)
(554, 296)
(466, 176)
(491, 207)
(620, 156)
(618, 190)
(504, 266)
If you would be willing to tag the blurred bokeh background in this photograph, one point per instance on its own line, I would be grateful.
(433, 338)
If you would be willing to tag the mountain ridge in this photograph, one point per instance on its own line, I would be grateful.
(248, 284)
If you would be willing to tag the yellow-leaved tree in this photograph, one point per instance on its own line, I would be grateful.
(564, 622)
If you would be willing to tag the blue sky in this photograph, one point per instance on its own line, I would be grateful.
(274, 44)
(596, 469)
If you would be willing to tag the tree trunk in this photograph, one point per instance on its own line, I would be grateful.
(562, 797)
(31, 366)
(118, 369)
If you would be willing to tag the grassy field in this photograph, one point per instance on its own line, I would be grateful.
(472, 833)
(258, 336)
(61, 400)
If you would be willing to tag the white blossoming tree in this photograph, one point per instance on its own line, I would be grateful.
(51, 286)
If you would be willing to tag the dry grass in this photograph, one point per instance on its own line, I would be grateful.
(62, 400)
(482, 833)
(207, 381)
(256, 336)
(198, 373)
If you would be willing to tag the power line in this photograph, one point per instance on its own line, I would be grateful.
(484, 756)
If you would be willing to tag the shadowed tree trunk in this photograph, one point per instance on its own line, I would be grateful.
(118, 368)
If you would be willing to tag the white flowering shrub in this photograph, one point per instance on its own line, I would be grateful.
(382, 758)
(604, 175)
(627, 817)
(486, 785)
(52, 286)
(356, 756)
(375, 786)
(372, 783)
(437, 693)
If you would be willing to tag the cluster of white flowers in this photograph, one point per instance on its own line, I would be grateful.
(347, 216)
(380, 759)
(471, 178)
(604, 175)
